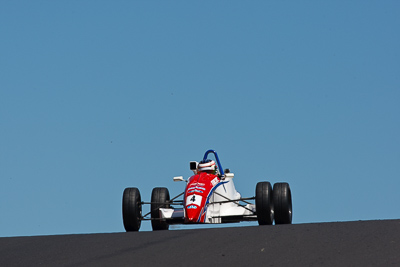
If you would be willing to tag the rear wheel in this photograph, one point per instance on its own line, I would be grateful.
(131, 209)
(282, 203)
(264, 204)
(159, 199)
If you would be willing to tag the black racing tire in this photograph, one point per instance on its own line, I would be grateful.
(282, 203)
(159, 195)
(131, 209)
(264, 204)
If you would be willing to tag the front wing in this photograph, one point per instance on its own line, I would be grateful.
(217, 212)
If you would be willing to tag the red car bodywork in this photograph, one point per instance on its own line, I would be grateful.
(198, 190)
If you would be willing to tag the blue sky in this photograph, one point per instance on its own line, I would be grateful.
(96, 96)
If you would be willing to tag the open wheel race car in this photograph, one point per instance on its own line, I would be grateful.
(209, 197)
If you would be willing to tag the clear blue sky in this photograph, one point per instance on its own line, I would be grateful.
(96, 96)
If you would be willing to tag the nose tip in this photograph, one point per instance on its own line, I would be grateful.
(191, 219)
(192, 215)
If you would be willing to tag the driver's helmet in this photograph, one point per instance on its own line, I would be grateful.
(208, 166)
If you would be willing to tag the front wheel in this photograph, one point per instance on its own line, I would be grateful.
(264, 204)
(159, 199)
(131, 209)
(282, 203)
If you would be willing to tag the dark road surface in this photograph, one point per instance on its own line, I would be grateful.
(363, 243)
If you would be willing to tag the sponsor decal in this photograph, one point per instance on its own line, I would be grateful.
(214, 181)
(197, 189)
(191, 207)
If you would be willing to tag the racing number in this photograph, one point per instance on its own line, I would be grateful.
(194, 199)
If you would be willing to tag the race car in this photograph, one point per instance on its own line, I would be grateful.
(209, 197)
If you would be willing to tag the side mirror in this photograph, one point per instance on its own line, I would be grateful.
(229, 175)
(193, 165)
(179, 179)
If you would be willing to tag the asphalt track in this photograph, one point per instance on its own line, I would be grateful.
(362, 243)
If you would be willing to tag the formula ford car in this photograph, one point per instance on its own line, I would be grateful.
(209, 197)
